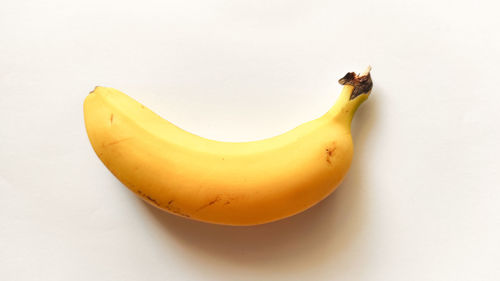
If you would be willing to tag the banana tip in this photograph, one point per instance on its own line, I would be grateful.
(95, 89)
(367, 70)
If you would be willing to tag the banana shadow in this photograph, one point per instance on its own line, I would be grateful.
(324, 232)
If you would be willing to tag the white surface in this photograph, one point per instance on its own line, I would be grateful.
(421, 202)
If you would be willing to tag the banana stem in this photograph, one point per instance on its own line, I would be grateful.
(362, 83)
(367, 70)
(356, 90)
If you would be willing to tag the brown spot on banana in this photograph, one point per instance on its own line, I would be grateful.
(174, 209)
(170, 206)
(330, 152)
(147, 197)
(153, 200)
(217, 198)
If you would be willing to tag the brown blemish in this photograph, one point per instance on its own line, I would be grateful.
(174, 209)
(111, 118)
(149, 198)
(330, 152)
(227, 202)
(169, 207)
(362, 83)
(142, 106)
(152, 200)
(217, 198)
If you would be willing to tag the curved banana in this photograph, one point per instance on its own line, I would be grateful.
(221, 182)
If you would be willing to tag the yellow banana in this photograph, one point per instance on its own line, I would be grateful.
(244, 183)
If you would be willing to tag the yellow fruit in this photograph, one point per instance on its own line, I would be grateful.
(244, 183)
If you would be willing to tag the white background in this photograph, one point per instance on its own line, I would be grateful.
(421, 201)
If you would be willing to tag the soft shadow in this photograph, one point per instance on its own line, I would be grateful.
(323, 232)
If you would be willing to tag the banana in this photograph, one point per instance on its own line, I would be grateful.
(245, 183)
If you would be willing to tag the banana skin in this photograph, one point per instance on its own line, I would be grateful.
(229, 183)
